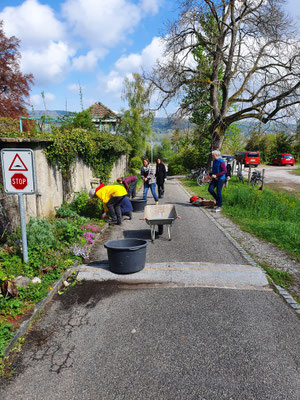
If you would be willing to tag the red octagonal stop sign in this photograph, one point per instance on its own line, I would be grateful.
(19, 181)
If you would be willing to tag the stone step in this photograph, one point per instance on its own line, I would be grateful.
(229, 276)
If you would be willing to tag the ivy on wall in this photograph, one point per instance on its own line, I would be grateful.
(98, 150)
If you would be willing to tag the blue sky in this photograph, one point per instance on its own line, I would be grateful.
(94, 43)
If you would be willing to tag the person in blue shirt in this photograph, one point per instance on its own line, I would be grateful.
(218, 179)
(126, 207)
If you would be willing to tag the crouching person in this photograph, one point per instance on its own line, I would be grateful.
(111, 196)
(126, 207)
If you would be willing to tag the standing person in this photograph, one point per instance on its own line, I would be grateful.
(218, 178)
(111, 196)
(148, 176)
(161, 175)
(130, 185)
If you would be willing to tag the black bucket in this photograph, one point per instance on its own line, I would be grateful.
(127, 255)
(138, 204)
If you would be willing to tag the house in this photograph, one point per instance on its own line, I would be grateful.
(105, 119)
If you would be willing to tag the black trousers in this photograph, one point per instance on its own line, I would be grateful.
(161, 188)
(132, 189)
(114, 209)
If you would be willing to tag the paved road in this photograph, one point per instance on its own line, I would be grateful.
(118, 340)
(276, 174)
(194, 237)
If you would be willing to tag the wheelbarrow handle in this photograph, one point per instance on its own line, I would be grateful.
(178, 217)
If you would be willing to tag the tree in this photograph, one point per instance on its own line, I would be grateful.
(14, 86)
(137, 120)
(233, 141)
(253, 56)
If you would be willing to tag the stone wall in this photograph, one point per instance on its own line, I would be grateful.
(52, 190)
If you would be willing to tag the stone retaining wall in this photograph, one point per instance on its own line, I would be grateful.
(52, 189)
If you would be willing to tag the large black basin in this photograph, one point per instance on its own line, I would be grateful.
(126, 256)
(138, 204)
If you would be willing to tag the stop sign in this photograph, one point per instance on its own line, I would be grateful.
(19, 181)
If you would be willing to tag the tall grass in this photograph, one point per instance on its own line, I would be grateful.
(274, 217)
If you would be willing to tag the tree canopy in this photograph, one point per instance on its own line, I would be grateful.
(137, 120)
(247, 55)
(14, 85)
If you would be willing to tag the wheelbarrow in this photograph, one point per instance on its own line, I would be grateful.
(160, 215)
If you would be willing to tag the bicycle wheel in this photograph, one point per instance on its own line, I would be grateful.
(200, 181)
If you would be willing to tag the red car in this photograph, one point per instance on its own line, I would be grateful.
(284, 159)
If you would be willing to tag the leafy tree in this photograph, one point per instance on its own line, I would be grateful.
(14, 86)
(253, 56)
(136, 121)
(234, 140)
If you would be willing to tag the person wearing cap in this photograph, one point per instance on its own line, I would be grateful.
(130, 185)
(218, 179)
(111, 196)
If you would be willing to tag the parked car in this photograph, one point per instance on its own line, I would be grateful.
(248, 158)
(227, 158)
(283, 159)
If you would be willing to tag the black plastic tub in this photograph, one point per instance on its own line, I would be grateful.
(126, 256)
(138, 204)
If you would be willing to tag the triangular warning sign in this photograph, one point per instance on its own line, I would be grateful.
(17, 164)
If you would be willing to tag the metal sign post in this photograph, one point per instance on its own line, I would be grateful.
(18, 174)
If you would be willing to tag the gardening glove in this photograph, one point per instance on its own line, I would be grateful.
(104, 215)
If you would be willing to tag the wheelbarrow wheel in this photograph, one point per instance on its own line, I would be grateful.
(152, 233)
(160, 229)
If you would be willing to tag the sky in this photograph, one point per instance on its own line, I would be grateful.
(90, 45)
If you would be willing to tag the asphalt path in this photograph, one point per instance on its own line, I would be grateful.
(194, 238)
(104, 340)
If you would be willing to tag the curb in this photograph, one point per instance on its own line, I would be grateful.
(282, 293)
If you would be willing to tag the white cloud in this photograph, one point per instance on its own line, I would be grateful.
(89, 61)
(37, 100)
(106, 22)
(48, 65)
(33, 23)
(75, 88)
(45, 52)
(151, 6)
(126, 65)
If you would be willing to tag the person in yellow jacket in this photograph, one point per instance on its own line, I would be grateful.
(111, 196)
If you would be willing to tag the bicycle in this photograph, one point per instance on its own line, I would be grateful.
(204, 178)
(239, 176)
(256, 179)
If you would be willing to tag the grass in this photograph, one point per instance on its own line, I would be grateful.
(280, 278)
(271, 216)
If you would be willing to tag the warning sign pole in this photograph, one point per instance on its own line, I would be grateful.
(18, 173)
(23, 227)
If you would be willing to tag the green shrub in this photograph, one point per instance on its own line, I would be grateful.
(84, 206)
(39, 234)
(136, 163)
(67, 232)
(65, 211)
(175, 167)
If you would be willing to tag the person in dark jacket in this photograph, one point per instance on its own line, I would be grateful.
(130, 185)
(218, 178)
(126, 207)
(161, 175)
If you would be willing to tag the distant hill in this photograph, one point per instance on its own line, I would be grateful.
(50, 113)
(166, 126)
